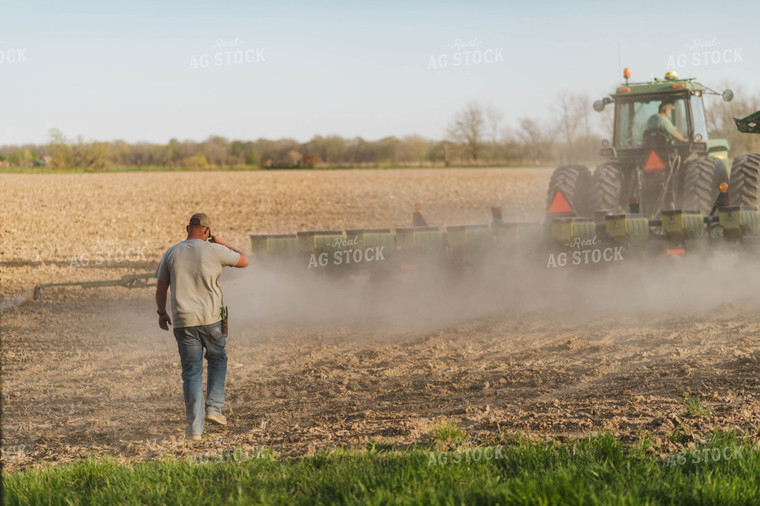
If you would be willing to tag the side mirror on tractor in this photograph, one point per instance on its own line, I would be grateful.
(599, 104)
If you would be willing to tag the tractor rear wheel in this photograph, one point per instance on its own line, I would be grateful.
(573, 181)
(701, 182)
(745, 180)
(607, 188)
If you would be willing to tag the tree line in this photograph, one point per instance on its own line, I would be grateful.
(476, 135)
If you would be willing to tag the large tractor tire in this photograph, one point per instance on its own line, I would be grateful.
(606, 192)
(745, 180)
(573, 181)
(701, 184)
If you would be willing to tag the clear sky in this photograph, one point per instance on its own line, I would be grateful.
(153, 70)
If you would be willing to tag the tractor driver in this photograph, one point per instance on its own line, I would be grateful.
(661, 121)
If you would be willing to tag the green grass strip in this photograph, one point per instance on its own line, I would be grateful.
(594, 470)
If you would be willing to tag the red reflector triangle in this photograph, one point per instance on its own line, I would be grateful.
(654, 162)
(560, 204)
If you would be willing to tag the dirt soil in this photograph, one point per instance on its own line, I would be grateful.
(336, 363)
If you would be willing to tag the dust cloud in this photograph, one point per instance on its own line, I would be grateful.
(444, 292)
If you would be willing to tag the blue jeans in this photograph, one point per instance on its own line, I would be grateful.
(191, 341)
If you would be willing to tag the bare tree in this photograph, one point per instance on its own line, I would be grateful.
(537, 145)
(494, 120)
(414, 149)
(571, 112)
(92, 155)
(59, 148)
(467, 128)
(294, 158)
(215, 149)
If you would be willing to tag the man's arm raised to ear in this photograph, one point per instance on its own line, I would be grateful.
(242, 262)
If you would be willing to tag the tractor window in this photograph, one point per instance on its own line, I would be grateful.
(698, 115)
(637, 116)
(678, 117)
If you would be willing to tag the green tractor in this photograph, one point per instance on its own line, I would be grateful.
(660, 158)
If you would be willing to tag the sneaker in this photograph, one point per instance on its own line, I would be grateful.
(193, 437)
(216, 419)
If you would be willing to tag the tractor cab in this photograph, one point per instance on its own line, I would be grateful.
(661, 113)
(654, 121)
(660, 158)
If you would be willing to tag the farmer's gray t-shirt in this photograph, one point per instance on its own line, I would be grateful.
(192, 269)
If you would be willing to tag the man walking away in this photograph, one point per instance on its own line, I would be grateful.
(192, 269)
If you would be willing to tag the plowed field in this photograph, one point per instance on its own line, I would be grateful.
(320, 363)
